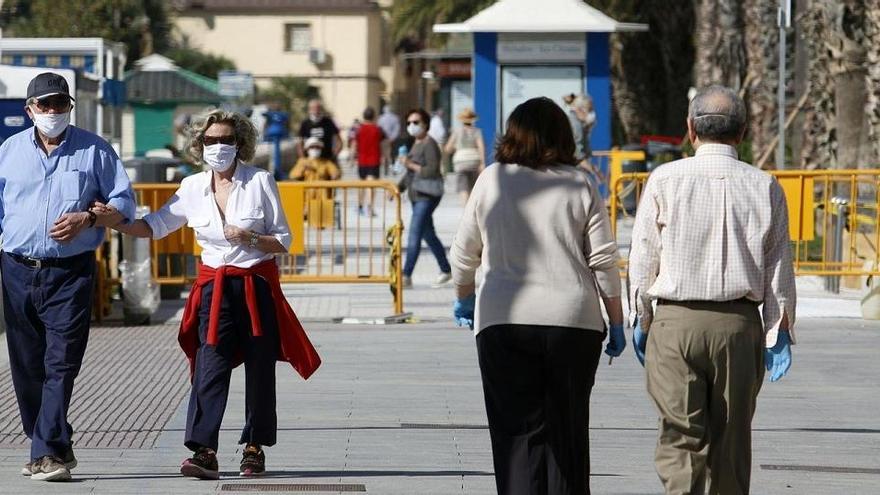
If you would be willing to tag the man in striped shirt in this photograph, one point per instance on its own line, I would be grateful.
(710, 245)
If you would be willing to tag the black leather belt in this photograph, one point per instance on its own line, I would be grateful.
(742, 300)
(45, 262)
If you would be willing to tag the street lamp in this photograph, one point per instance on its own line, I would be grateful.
(783, 20)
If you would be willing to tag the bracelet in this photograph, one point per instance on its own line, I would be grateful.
(254, 239)
(92, 218)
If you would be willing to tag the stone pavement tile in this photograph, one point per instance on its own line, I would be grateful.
(363, 419)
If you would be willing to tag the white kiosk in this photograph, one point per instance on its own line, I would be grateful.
(524, 49)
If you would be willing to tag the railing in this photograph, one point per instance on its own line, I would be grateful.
(833, 218)
(333, 242)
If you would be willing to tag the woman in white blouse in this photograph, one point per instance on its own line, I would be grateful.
(236, 312)
(539, 229)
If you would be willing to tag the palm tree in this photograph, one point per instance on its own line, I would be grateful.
(721, 57)
(414, 18)
(872, 43)
(761, 46)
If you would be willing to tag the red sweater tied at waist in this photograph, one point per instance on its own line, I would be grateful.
(295, 347)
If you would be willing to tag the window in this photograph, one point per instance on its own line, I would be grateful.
(299, 37)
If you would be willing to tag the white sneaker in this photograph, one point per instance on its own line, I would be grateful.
(442, 280)
(406, 281)
(49, 468)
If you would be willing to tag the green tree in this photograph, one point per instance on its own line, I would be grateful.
(143, 25)
(289, 94)
(415, 18)
(199, 62)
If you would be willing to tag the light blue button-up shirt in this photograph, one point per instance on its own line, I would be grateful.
(35, 190)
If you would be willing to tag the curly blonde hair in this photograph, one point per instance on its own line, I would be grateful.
(243, 129)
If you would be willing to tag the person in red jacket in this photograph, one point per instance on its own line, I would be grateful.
(368, 148)
(236, 312)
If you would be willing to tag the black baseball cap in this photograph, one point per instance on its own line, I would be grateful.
(48, 84)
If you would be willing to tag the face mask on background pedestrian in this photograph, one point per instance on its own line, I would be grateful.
(219, 156)
(314, 152)
(314, 117)
(414, 129)
(51, 124)
(590, 118)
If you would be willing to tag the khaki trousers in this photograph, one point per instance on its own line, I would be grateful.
(705, 364)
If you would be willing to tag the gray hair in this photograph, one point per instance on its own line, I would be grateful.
(243, 129)
(718, 114)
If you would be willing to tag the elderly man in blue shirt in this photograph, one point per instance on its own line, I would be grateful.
(49, 176)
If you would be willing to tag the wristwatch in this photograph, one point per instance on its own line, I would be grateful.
(254, 239)
(92, 218)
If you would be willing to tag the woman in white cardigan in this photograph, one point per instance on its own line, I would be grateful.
(539, 229)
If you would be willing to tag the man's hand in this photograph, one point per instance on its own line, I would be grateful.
(777, 359)
(236, 235)
(640, 342)
(106, 215)
(69, 226)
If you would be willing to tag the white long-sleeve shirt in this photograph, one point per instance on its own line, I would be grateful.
(713, 228)
(253, 204)
(544, 241)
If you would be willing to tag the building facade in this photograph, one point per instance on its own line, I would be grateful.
(341, 46)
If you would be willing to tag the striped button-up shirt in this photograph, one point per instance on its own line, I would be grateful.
(713, 228)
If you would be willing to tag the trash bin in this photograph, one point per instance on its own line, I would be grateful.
(140, 295)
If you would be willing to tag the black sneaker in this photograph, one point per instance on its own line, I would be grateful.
(49, 468)
(253, 461)
(202, 465)
(69, 463)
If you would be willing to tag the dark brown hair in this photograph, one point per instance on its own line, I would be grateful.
(538, 134)
(423, 115)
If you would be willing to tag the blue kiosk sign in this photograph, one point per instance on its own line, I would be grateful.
(522, 51)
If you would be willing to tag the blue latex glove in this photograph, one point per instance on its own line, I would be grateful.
(616, 341)
(777, 359)
(463, 311)
(640, 341)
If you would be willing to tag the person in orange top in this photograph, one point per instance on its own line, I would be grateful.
(313, 167)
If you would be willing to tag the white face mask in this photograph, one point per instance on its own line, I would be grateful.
(51, 124)
(219, 156)
(414, 129)
(314, 153)
(314, 117)
(591, 118)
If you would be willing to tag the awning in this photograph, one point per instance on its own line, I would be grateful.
(546, 16)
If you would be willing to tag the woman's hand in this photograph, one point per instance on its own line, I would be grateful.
(236, 235)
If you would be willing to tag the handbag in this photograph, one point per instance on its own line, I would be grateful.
(466, 160)
(432, 186)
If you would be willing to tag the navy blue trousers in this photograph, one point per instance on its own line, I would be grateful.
(47, 313)
(213, 368)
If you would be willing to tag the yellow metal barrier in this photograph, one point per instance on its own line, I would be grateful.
(817, 201)
(332, 241)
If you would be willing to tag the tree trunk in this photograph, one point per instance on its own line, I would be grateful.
(762, 47)
(872, 44)
(720, 54)
(820, 144)
(850, 81)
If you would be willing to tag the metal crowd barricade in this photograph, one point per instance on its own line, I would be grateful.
(833, 218)
(333, 242)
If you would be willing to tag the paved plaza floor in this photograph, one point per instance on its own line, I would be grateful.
(398, 409)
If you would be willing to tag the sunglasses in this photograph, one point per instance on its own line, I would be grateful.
(209, 140)
(58, 102)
